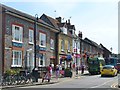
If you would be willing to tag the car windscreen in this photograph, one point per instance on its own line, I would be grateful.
(107, 67)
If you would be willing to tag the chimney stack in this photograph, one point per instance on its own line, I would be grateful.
(69, 21)
(59, 19)
(80, 34)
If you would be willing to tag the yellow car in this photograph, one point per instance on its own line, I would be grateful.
(108, 70)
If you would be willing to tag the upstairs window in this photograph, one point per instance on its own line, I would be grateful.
(62, 45)
(31, 36)
(42, 40)
(51, 43)
(68, 46)
(17, 33)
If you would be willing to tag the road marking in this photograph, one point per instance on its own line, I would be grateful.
(101, 84)
(114, 85)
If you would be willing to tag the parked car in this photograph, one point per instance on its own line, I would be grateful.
(108, 70)
(118, 67)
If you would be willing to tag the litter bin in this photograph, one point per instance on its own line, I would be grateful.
(35, 74)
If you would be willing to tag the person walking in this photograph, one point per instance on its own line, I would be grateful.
(50, 70)
(77, 70)
(57, 71)
(73, 66)
(82, 68)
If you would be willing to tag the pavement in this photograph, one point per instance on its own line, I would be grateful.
(52, 81)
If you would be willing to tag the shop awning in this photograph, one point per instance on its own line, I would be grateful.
(52, 57)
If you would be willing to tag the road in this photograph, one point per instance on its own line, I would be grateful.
(86, 81)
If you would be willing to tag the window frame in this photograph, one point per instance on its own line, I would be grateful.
(31, 37)
(69, 46)
(52, 44)
(44, 45)
(62, 45)
(41, 58)
(13, 59)
(15, 33)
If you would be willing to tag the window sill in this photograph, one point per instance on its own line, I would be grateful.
(41, 66)
(17, 41)
(62, 50)
(16, 65)
(69, 51)
(42, 46)
(52, 48)
(31, 43)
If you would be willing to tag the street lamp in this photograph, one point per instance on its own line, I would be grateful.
(35, 27)
(35, 70)
(76, 41)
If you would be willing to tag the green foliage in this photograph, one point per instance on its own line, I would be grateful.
(12, 71)
(68, 72)
(67, 69)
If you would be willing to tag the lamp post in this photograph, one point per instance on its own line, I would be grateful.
(80, 37)
(76, 40)
(35, 70)
(35, 27)
(111, 50)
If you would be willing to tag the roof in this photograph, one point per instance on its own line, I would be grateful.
(52, 20)
(92, 42)
(104, 48)
(71, 27)
(14, 11)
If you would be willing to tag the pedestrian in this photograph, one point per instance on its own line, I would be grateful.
(73, 66)
(82, 68)
(50, 70)
(61, 72)
(57, 71)
(76, 70)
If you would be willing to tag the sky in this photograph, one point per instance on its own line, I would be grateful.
(96, 19)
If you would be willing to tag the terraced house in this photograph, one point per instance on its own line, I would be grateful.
(17, 37)
(64, 37)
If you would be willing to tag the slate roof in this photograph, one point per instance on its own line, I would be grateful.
(53, 21)
(92, 42)
(14, 11)
(104, 48)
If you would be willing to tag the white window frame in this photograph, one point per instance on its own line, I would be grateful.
(52, 44)
(42, 59)
(13, 59)
(68, 46)
(62, 45)
(42, 35)
(17, 33)
(31, 36)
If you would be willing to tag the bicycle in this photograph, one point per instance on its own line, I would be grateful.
(46, 76)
